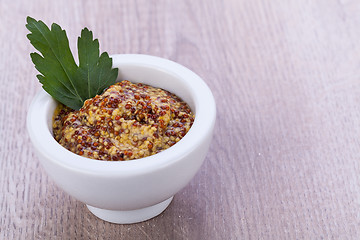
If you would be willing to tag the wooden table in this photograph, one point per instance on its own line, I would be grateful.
(284, 161)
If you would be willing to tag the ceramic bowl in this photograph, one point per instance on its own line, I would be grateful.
(136, 190)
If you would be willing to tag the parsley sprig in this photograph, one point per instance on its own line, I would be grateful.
(59, 75)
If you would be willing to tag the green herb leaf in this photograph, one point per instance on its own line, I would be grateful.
(60, 76)
(96, 70)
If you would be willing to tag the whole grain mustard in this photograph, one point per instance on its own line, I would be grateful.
(128, 121)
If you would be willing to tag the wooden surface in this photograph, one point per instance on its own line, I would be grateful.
(284, 161)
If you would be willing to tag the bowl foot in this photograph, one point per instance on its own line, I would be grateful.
(132, 216)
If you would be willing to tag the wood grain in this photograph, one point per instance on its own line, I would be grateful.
(284, 161)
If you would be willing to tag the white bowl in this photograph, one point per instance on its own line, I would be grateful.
(136, 190)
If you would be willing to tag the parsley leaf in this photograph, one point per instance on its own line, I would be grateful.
(59, 74)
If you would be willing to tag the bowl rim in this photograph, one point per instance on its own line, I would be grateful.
(204, 122)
